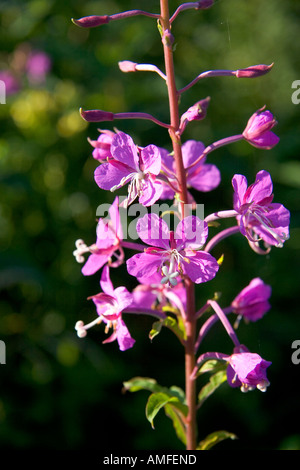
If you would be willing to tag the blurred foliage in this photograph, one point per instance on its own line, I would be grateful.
(60, 392)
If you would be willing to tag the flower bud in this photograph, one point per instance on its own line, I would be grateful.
(197, 112)
(247, 370)
(167, 38)
(127, 66)
(253, 71)
(253, 301)
(96, 115)
(203, 4)
(102, 145)
(258, 130)
(91, 21)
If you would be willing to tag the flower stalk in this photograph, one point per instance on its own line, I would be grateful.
(168, 263)
(190, 320)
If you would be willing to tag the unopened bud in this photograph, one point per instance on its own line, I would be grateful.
(167, 38)
(203, 4)
(91, 21)
(253, 71)
(96, 115)
(196, 112)
(127, 66)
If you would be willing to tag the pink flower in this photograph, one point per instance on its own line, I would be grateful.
(259, 218)
(197, 112)
(38, 65)
(173, 255)
(109, 236)
(253, 301)
(247, 370)
(155, 295)
(130, 164)
(109, 305)
(102, 145)
(258, 130)
(11, 83)
(202, 176)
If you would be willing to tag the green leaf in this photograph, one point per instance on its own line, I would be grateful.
(155, 402)
(141, 383)
(214, 438)
(214, 382)
(156, 329)
(177, 392)
(178, 422)
(159, 27)
(158, 400)
(145, 383)
(171, 399)
(176, 326)
(212, 365)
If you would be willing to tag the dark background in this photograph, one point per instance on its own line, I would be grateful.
(60, 392)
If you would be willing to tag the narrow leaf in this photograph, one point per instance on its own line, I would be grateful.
(145, 383)
(214, 382)
(214, 438)
(155, 402)
(158, 400)
(211, 366)
(156, 329)
(170, 323)
(178, 422)
(141, 383)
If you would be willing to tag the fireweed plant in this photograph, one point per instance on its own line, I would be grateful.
(168, 263)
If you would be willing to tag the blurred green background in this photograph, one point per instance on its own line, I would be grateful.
(60, 392)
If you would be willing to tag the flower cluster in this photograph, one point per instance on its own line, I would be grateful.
(28, 64)
(170, 262)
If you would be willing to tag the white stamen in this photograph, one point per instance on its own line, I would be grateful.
(81, 328)
(262, 386)
(262, 219)
(81, 248)
(170, 273)
(123, 181)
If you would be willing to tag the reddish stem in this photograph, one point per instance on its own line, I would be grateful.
(190, 320)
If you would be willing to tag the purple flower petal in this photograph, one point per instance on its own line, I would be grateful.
(151, 159)
(110, 174)
(105, 236)
(143, 297)
(151, 192)
(261, 189)
(191, 232)
(266, 141)
(239, 183)
(250, 369)
(153, 231)
(143, 265)
(201, 267)
(124, 298)
(116, 219)
(278, 229)
(205, 178)
(124, 150)
(93, 264)
(105, 282)
(191, 150)
(124, 338)
(252, 302)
